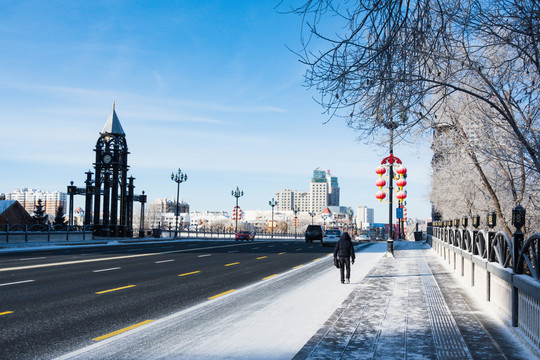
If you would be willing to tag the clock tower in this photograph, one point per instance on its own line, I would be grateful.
(113, 195)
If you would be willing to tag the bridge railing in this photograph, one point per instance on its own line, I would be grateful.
(216, 234)
(18, 233)
(503, 270)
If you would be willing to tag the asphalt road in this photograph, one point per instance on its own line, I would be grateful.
(54, 301)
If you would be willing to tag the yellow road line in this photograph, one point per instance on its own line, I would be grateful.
(299, 266)
(231, 264)
(6, 312)
(190, 273)
(223, 293)
(122, 330)
(269, 277)
(316, 259)
(281, 253)
(120, 288)
(262, 257)
(298, 249)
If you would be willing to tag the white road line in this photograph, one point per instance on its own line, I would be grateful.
(36, 258)
(109, 269)
(255, 248)
(17, 282)
(205, 255)
(232, 251)
(63, 263)
(135, 249)
(164, 261)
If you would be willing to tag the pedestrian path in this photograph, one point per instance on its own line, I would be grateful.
(411, 307)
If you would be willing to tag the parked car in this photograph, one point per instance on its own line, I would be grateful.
(331, 236)
(314, 232)
(245, 235)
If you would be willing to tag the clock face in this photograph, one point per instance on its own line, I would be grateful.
(107, 158)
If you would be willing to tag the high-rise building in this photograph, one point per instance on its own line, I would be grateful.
(364, 217)
(323, 192)
(28, 198)
(284, 200)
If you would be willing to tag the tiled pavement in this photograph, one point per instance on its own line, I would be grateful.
(411, 307)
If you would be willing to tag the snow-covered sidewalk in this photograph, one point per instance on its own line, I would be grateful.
(271, 319)
(411, 307)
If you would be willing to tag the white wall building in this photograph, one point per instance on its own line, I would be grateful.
(365, 217)
(28, 198)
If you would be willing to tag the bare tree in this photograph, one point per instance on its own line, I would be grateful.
(381, 62)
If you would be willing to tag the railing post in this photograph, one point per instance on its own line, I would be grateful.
(48, 232)
(518, 220)
(25, 233)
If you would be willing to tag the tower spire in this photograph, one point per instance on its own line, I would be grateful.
(113, 126)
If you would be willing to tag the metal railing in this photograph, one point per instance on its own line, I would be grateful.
(17, 233)
(502, 269)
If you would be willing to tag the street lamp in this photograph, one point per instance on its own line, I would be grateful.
(312, 214)
(295, 220)
(236, 193)
(272, 204)
(178, 178)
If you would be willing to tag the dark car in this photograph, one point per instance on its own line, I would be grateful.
(244, 235)
(314, 232)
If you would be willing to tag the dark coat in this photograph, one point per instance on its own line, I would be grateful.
(344, 247)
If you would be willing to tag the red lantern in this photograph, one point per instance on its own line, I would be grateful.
(402, 170)
(380, 183)
(401, 183)
(380, 195)
(380, 170)
(401, 195)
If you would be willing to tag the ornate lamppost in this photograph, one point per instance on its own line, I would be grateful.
(272, 203)
(295, 220)
(236, 193)
(401, 172)
(312, 214)
(178, 178)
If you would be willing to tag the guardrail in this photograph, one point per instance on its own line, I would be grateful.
(503, 270)
(44, 233)
(209, 234)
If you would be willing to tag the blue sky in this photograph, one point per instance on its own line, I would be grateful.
(207, 86)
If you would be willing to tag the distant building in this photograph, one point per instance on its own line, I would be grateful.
(323, 192)
(168, 206)
(198, 218)
(364, 217)
(28, 198)
(163, 214)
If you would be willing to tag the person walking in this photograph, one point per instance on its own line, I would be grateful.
(344, 253)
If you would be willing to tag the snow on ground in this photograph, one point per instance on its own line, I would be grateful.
(271, 319)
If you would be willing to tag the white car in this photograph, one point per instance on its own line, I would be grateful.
(331, 236)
